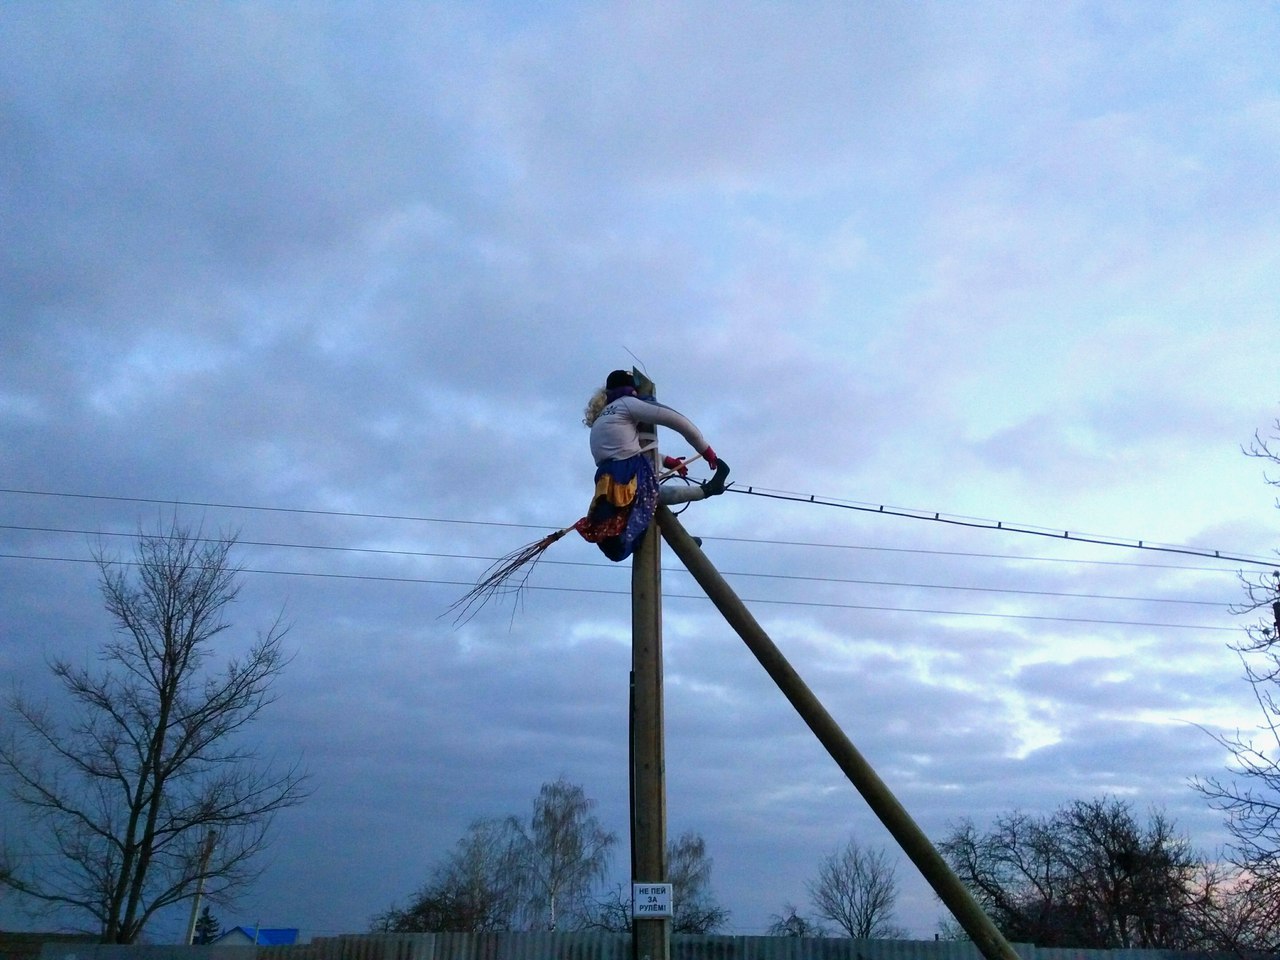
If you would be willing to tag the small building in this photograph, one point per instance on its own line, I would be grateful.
(260, 936)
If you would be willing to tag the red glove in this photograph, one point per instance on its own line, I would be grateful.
(710, 456)
(676, 463)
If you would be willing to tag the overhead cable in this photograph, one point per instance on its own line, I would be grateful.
(677, 596)
(435, 555)
(980, 524)
(790, 496)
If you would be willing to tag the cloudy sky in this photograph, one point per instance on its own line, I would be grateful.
(340, 278)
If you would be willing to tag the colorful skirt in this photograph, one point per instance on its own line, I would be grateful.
(622, 506)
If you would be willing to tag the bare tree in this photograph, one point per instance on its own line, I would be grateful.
(610, 912)
(790, 923)
(121, 796)
(856, 890)
(504, 872)
(476, 888)
(694, 907)
(1234, 913)
(566, 852)
(1249, 793)
(1015, 872)
(1088, 876)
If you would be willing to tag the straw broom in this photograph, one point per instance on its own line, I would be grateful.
(497, 578)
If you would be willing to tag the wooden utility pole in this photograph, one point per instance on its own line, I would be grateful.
(205, 853)
(985, 935)
(650, 936)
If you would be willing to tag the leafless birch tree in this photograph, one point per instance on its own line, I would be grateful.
(476, 888)
(566, 854)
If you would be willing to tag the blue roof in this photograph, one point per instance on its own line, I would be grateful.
(267, 936)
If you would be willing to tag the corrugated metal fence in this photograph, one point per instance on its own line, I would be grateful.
(591, 946)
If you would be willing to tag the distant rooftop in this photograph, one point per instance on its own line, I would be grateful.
(265, 936)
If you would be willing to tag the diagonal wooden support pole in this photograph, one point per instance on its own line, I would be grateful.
(971, 917)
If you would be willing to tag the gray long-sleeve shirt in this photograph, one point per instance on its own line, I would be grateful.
(616, 434)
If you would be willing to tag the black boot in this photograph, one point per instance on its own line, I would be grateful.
(715, 486)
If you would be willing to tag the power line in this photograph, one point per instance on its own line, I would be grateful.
(411, 553)
(979, 524)
(1022, 558)
(382, 551)
(774, 495)
(372, 578)
(211, 505)
(790, 496)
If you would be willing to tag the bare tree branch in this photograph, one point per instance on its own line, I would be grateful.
(856, 890)
(1088, 876)
(566, 853)
(1248, 793)
(121, 795)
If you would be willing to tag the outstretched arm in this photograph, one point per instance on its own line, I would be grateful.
(664, 416)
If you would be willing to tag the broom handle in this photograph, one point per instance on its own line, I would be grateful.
(674, 470)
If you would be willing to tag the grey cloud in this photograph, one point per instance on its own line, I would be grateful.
(316, 260)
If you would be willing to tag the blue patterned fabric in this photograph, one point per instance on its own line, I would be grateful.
(619, 516)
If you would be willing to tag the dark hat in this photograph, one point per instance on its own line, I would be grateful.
(619, 378)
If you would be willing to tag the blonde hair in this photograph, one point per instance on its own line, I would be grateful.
(594, 406)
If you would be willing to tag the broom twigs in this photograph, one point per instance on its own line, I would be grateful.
(500, 574)
(496, 577)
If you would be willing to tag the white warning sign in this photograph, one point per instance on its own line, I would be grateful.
(650, 901)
